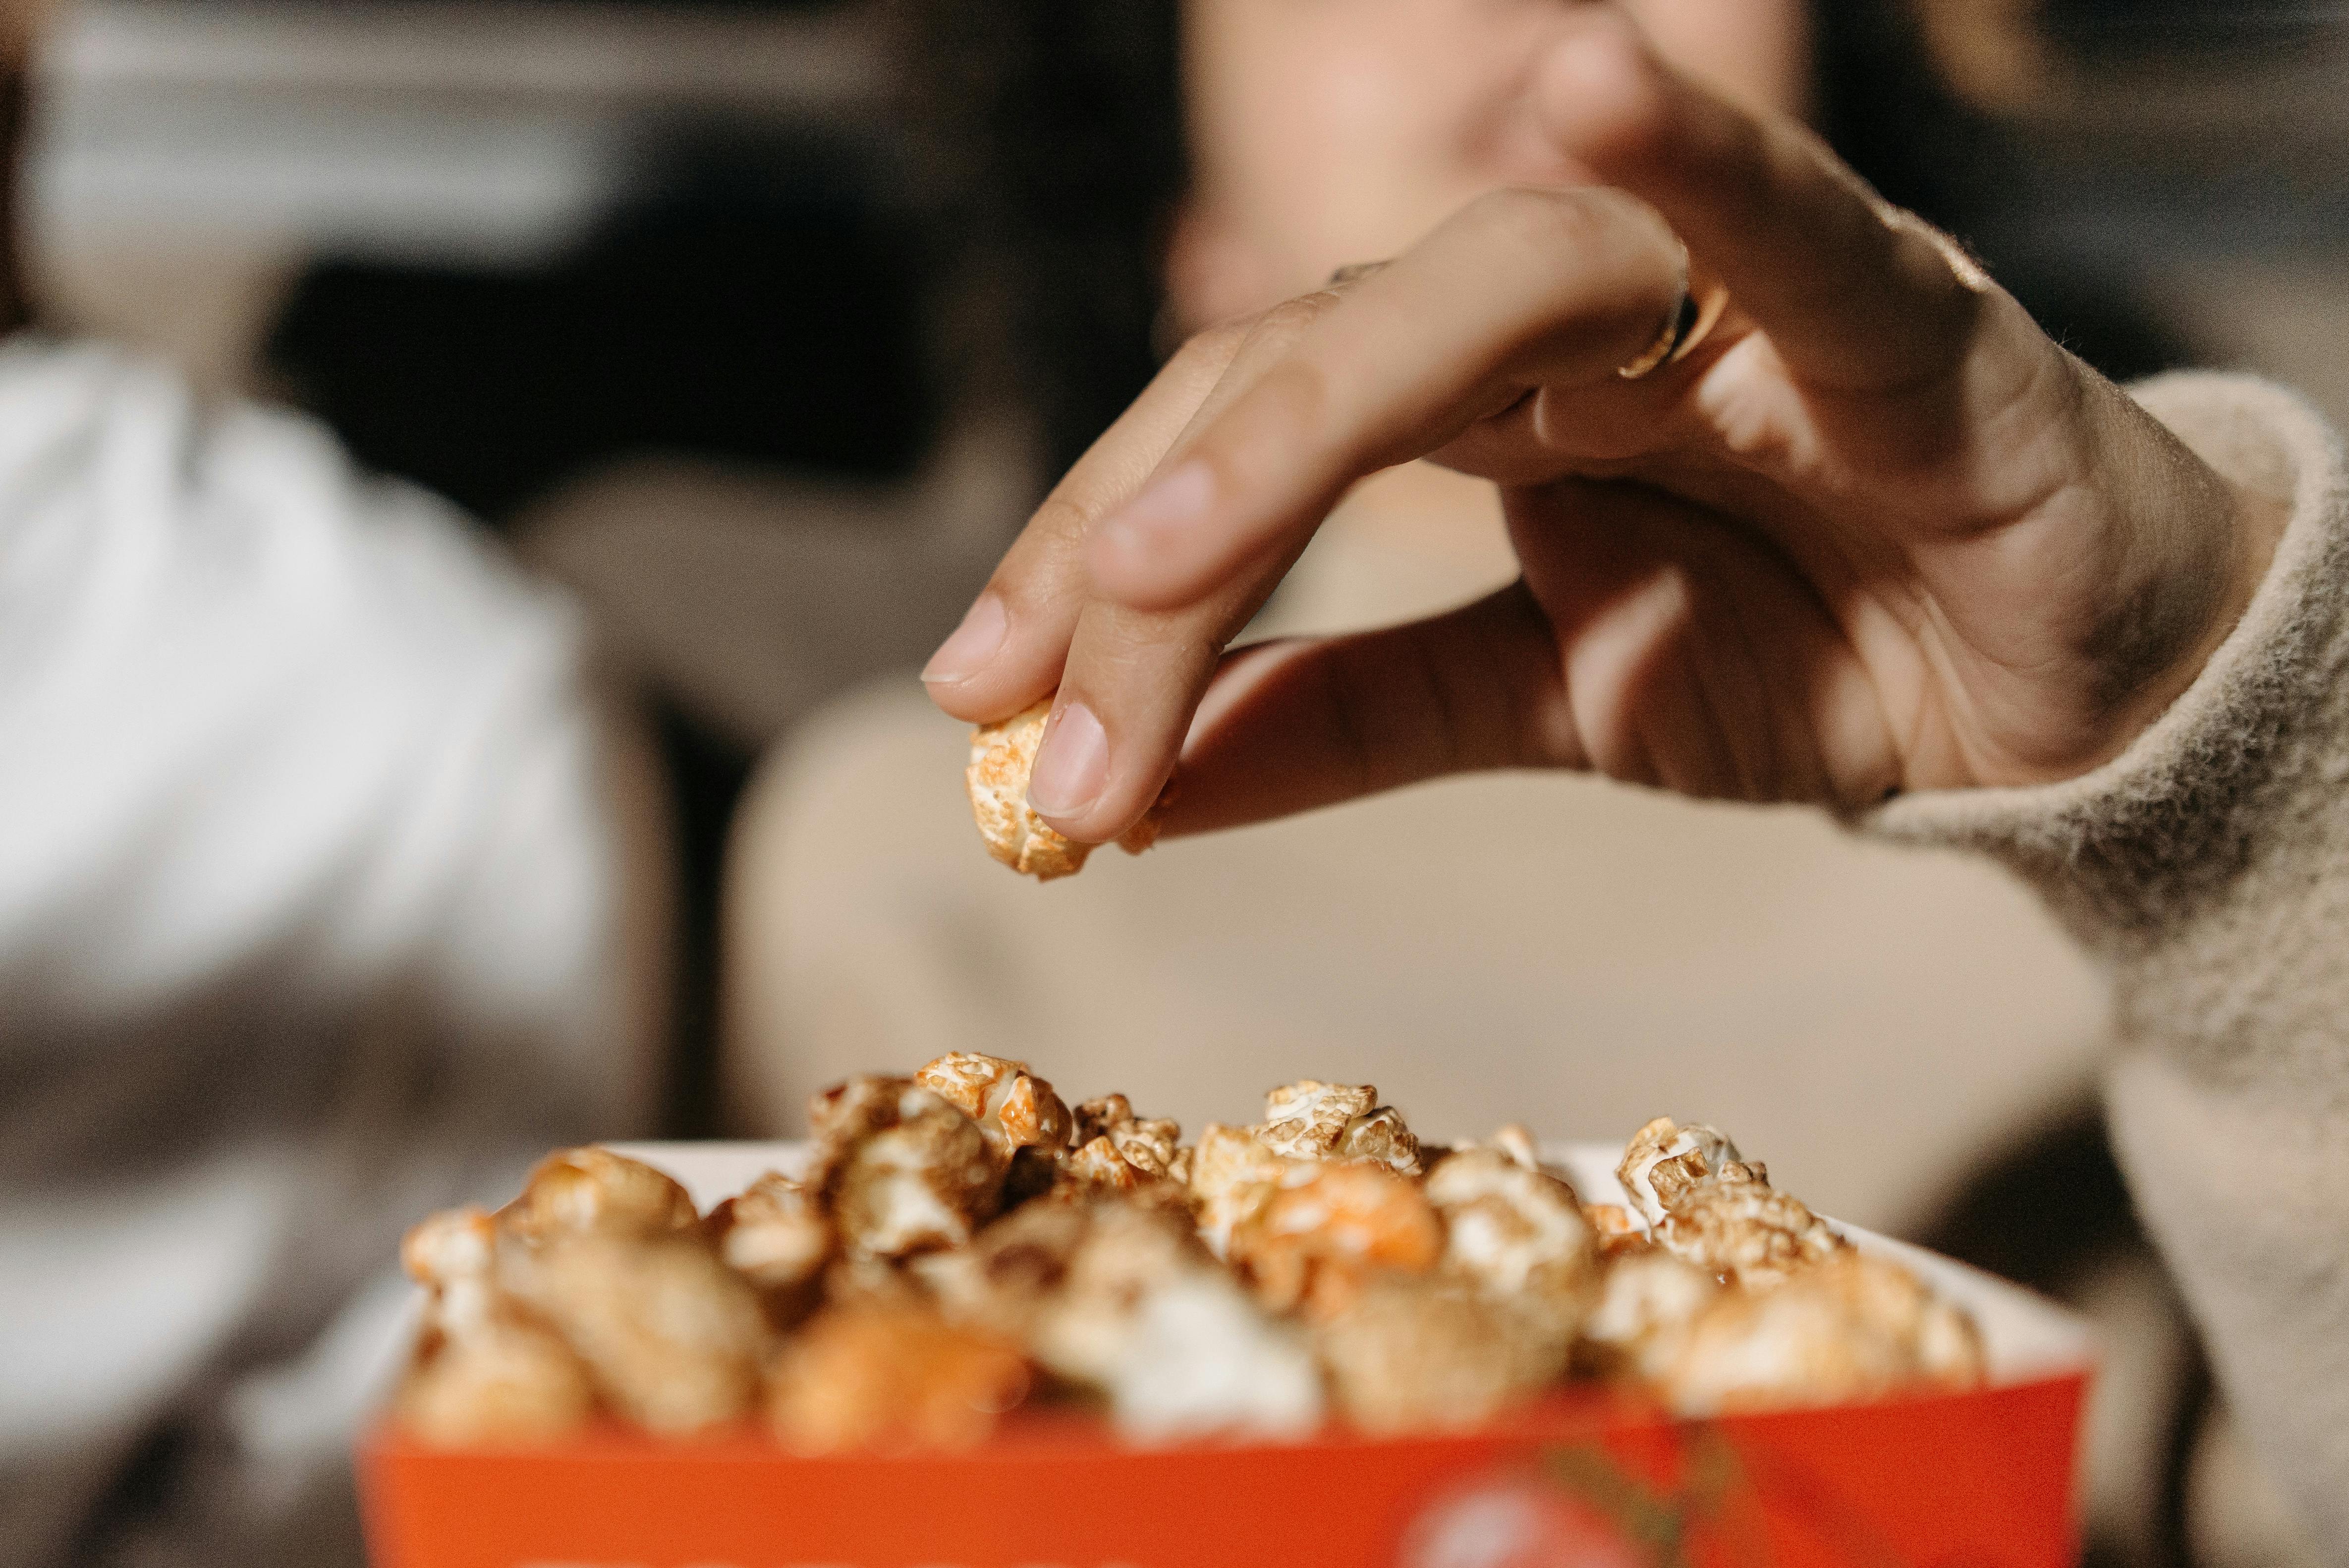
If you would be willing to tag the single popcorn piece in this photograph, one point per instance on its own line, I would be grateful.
(775, 1234)
(893, 1380)
(1305, 1119)
(1316, 1243)
(1173, 1340)
(671, 1338)
(1233, 1176)
(1380, 1137)
(1647, 1300)
(1748, 1232)
(1431, 1354)
(1856, 1328)
(1148, 1145)
(1006, 1278)
(1002, 756)
(1664, 1160)
(1013, 1109)
(593, 1189)
(1518, 1234)
(450, 1247)
(485, 1372)
(902, 1170)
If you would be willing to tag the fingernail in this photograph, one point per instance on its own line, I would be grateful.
(973, 643)
(1171, 504)
(1072, 765)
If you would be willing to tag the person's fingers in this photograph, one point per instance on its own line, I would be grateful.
(1521, 288)
(1855, 294)
(1008, 650)
(1291, 726)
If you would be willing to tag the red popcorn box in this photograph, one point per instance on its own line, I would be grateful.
(1590, 1476)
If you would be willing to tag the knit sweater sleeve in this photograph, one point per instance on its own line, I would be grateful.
(2208, 867)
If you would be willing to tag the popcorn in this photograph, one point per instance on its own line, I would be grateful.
(672, 1339)
(1518, 1234)
(1174, 1341)
(1664, 1160)
(1008, 1276)
(1013, 1109)
(1002, 757)
(1717, 1211)
(1317, 1241)
(902, 1170)
(958, 1231)
(1305, 1119)
(1232, 1177)
(1647, 1300)
(1854, 1327)
(1431, 1354)
(1380, 1138)
(485, 1372)
(1148, 1147)
(775, 1234)
(593, 1190)
(1749, 1231)
(893, 1380)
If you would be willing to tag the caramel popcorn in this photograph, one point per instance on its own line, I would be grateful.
(486, 1375)
(961, 1242)
(579, 1190)
(1179, 1349)
(1747, 1231)
(775, 1234)
(1854, 1327)
(1002, 757)
(486, 1372)
(1014, 1108)
(1518, 1234)
(1647, 1300)
(1317, 1242)
(893, 1380)
(1431, 1354)
(902, 1168)
(1664, 1160)
(1009, 1275)
(1305, 1119)
(1150, 1147)
(672, 1339)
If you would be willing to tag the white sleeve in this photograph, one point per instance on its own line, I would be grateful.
(310, 894)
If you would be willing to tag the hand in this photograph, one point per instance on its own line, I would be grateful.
(1877, 533)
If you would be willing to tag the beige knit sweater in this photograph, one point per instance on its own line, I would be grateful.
(2208, 867)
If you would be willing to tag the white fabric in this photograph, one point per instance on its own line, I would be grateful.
(308, 922)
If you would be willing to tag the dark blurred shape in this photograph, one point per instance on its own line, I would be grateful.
(1065, 118)
(758, 306)
(2051, 1211)
(1884, 105)
(2168, 24)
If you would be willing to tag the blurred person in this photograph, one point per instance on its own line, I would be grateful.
(1501, 946)
(332, 890)
(1730, 953)
(1877, 544)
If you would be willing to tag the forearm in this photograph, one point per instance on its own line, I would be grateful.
(2208, 866)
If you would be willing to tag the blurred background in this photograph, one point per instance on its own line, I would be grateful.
(760, 325)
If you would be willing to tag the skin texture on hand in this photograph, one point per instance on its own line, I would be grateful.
(1878, 533)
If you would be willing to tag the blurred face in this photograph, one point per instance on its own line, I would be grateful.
(1329, 131)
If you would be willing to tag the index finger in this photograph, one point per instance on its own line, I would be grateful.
(1523, 288)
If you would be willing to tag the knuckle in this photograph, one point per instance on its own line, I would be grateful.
(1291, 319)
(1214, 344)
